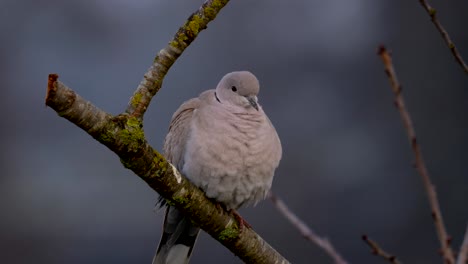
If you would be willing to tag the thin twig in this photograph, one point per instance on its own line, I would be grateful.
(432, 12)
(378, 251)
(463, 255)
(444, 238)
(305, 231)
(153, 78)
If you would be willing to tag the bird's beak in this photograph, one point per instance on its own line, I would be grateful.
(253, 101)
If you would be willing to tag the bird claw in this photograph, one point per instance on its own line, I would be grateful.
(242, 222)
(219, 206)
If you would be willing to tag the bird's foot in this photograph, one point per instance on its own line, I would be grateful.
(242, 222)
(219, 205)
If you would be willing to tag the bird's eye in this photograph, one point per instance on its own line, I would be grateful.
(234, 89)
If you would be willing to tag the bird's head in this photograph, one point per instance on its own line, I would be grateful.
(239, 88)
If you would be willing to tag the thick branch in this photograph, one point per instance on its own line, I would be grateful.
(378, 251)
(123, 134)
(419, 161)
(153, 78)
(463, 255)
(433, 14)
(305, 231)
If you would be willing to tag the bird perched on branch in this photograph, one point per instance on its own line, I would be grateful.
(224, 143)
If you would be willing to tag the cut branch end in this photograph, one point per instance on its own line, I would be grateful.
(51, 87)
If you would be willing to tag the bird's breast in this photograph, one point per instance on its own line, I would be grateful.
(231, 160)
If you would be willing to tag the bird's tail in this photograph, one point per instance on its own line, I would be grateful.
(178, 239)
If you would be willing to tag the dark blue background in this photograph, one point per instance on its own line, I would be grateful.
(346, 168)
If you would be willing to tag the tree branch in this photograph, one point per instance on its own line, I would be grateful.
(463, 255)
(444, 238)
(153, 78)
(123, 134)
(378, 251)
(433, 14)
(304, 230)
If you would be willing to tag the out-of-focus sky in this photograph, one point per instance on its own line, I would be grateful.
(346, 167)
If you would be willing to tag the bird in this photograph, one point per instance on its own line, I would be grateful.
(225, 144)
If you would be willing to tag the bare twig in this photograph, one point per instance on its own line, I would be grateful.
(305, 231)
(433, 14)
(153, 78)
(377, 250)
(463, 255)
(444, 238)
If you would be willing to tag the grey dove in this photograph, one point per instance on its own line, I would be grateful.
(224, 143)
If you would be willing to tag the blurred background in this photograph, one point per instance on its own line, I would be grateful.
(346, 167)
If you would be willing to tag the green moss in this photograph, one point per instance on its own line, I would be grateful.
(136, 99)
(134, 123)
(194, 24)
(174, 44)
(169, 202)
(106, 137)
(182, 37)
(218, 4)
(210, 13)
(132, 134)
(160, 163)
(229, 234)
(181, 200)
(179, 38)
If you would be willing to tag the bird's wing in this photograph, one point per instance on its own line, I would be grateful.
(179, 131)
(179, 235)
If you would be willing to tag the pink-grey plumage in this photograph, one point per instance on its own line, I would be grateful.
(224, 143)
